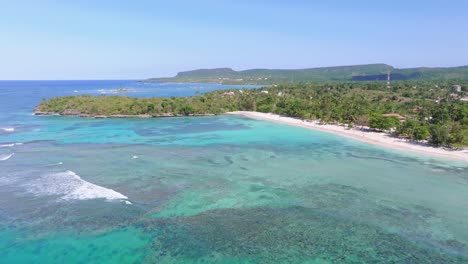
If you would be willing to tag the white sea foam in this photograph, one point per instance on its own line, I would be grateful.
(116, 91)
(135, 157)
(7, 180)
(8, 129)
(6, 157)
(70, 186)
(10, 145)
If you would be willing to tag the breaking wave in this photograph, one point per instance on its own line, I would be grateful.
(6, 157)
(70, 186)
(116, 91)
(7, 129)
(10, 145)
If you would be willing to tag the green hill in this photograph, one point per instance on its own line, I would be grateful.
(341, 73)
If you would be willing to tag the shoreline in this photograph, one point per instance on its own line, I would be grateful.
(374, 138)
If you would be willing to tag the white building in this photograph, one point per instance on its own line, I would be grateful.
(456, 88)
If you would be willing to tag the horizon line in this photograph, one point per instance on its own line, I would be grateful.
(237, 70)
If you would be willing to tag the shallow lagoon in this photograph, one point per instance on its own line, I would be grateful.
(220, 189)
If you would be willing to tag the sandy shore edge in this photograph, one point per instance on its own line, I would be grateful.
(375, 138)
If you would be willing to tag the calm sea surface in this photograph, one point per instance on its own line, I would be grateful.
(221, 189)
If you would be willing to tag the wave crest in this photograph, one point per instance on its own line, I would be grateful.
(7, 129)
(10, 145)
(6, 157)
(70, 186)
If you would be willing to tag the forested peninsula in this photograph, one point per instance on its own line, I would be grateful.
(436, 111)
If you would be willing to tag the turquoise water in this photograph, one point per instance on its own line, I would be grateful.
(221, 189)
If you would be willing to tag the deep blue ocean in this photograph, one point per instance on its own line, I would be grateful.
(220, 189)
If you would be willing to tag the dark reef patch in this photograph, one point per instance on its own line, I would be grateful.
(287, 235)
(372, 158)
(189, 127)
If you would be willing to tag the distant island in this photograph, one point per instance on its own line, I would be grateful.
(370, 72)
(435, 111)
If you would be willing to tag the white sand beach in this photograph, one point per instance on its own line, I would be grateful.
(380, 139)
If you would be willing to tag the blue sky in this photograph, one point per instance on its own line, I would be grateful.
(140, 39)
